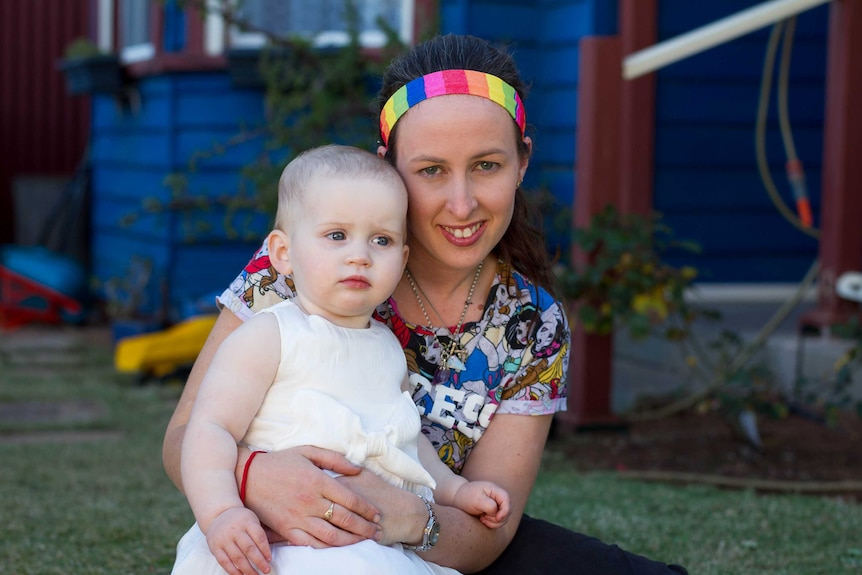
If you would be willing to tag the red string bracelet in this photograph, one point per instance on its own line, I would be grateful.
(242, 482)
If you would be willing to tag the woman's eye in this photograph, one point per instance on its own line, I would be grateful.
(337, 236)
(486, 166)
(431, 170)
(382, 241)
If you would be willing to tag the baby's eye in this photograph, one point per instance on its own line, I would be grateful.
(337, 236)
(382, 240)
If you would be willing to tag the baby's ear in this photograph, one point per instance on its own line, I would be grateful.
(278, 244)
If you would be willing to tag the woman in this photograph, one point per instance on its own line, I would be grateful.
(457, 139)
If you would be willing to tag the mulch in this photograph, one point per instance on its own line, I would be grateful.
(797, 454)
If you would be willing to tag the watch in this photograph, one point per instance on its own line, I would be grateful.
(431, 533)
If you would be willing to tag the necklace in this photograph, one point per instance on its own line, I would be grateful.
(453, 355)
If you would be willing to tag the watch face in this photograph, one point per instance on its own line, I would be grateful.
(434, 535)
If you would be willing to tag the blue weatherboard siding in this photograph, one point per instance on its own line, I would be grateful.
(543, 36)
(706, 183)
(193, 253)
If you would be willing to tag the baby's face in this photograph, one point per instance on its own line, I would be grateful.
(347, 250)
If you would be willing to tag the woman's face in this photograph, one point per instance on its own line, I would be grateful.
(459, 160)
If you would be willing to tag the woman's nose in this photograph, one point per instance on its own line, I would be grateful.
(462, 199)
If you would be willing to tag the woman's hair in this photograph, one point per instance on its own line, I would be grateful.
(332, 161)
(523, 245)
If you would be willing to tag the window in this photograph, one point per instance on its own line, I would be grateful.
(323, 21)
(133, 29)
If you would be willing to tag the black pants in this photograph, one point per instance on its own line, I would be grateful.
(542, 548)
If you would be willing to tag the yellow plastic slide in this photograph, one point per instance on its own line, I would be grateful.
(163, 352)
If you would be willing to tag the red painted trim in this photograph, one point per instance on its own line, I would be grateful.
(841, 203)
(597, 180)
(638, 30)
(116, 25)
(194, 32)
(176, 62)
(426, 18)
(597, 176)
(157, 27)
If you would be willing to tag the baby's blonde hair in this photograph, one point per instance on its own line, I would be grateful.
(326, 162)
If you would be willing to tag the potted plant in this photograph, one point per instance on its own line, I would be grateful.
(89, 70)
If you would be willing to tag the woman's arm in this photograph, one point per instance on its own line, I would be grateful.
(226, 323)
(285, 489)
(508, 454)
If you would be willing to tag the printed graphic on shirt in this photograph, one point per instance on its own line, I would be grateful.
(517, 359)
(518, 355)
(259, 285)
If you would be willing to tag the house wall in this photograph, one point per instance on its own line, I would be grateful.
(543, 37)
(706, 181)
(43, 131)
(192, 253)
(706, 178)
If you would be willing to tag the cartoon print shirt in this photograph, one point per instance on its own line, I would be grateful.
(517, 359)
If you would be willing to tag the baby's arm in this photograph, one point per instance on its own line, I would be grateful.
(232, 390)
(486, 500)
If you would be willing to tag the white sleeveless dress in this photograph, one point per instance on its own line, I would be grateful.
(340, 389)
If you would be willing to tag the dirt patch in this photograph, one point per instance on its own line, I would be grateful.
(796, 452)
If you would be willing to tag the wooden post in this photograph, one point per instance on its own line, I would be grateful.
(841, 204)
(638, 30)
(615, 155)
(597, 181)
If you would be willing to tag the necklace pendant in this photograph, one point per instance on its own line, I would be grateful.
(452, 357)
(440, 376)
(454, 362)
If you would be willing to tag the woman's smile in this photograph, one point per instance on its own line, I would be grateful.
(463, 236)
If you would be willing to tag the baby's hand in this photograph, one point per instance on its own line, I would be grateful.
(488, 501)
(237, 540)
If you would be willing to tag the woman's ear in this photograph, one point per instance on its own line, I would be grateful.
(278, 244)
(381, 151)
(525, 161)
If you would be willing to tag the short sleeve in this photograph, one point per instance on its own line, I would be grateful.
(537, 385)
(258, 286)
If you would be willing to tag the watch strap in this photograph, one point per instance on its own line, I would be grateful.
(426, 533)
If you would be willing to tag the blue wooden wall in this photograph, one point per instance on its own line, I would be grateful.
(543, 36)
(706, 180)
(134, 147)
(706, 183)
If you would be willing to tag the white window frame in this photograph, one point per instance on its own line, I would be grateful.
(216, 34)
(108, 43)
(136, 52)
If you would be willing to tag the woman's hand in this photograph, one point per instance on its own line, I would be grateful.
(402, 515)
(290, 493)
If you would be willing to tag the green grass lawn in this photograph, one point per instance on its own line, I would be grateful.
(103, 504)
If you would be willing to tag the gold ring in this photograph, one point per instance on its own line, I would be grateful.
(328, 514)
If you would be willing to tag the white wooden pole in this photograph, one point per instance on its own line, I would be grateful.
(711, 35)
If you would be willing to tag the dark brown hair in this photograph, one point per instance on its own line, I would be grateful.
(523, 245)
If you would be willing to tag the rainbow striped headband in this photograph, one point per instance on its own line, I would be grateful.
(451, 82)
